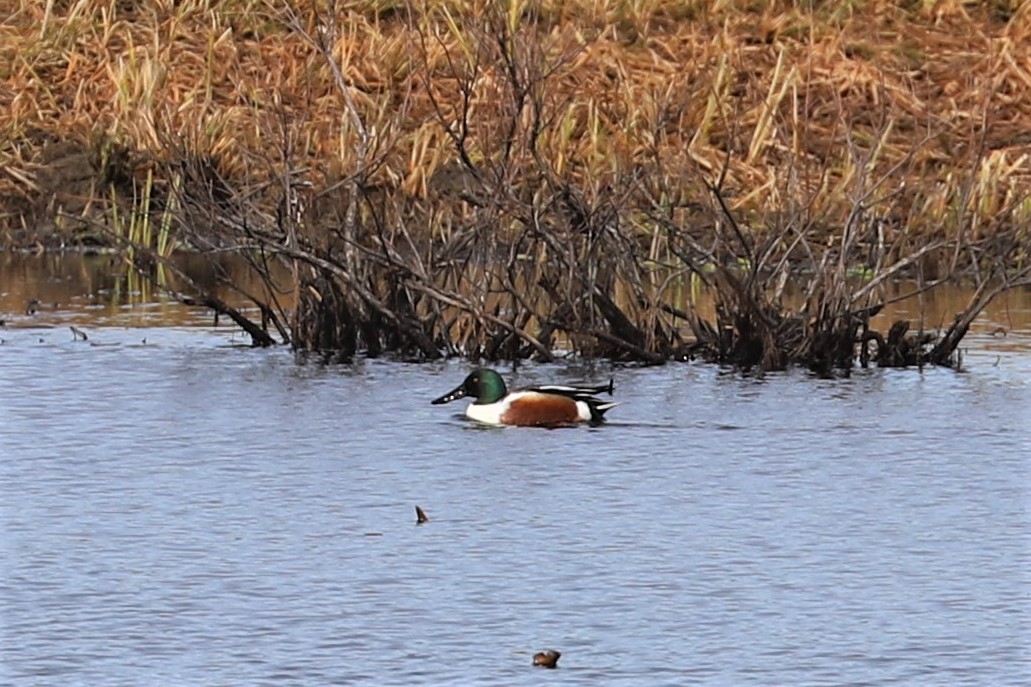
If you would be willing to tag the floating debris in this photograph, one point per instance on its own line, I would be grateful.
(420, 516)
(78, 333)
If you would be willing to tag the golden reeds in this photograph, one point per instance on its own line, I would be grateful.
(758, 81)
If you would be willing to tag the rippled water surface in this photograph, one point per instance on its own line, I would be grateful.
(178, 510)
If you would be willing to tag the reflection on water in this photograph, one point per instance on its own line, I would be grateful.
(187, 512)
(99, 290)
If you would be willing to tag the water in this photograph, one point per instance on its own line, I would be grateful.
(176, 509)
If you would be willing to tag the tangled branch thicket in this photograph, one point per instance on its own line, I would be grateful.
(509, 180)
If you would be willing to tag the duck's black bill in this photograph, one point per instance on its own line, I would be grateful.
(450, 396)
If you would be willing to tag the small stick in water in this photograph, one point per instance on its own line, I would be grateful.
(78, 333)
(547, 659)
(420, 516)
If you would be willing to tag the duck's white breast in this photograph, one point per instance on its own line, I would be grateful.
(489, 413)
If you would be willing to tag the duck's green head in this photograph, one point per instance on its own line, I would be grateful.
(486, 386)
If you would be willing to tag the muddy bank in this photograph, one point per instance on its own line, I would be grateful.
(74, 186)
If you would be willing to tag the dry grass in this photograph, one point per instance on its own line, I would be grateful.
(931, 101)
(445, 137)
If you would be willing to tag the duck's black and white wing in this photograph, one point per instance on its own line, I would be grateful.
(577, 391)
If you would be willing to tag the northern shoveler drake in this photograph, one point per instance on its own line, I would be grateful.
(550, 405)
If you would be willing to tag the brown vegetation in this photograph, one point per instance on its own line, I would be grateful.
(503, 180)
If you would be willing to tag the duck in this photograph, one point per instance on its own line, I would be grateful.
(550, 405)
(547, 659)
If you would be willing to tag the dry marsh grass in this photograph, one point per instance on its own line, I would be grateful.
(792, 104)
(486, 176)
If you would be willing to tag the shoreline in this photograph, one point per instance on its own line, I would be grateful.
(467, 181)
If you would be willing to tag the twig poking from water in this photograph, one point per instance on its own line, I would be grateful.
(259, 337)
(420, 516)
(78, 333)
